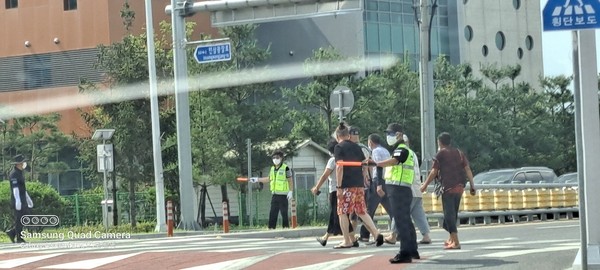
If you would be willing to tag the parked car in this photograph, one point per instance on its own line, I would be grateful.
(522, 175)
(568, 178)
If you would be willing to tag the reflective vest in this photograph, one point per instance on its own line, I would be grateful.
(401, 174)
(278, 181)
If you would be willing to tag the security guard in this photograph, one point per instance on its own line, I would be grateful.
(399, 176)
(20, 197)
(282, 187)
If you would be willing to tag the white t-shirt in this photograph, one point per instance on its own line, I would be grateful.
(416, 185)
(331, 178)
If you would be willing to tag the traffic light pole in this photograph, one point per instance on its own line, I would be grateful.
(187, 222)
(428, 141)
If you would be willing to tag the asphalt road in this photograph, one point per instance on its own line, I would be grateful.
(535, 245)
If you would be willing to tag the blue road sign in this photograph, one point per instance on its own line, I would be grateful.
(213, 52)
(571, 15)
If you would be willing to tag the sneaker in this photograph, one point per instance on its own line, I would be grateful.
(11, 235)
(322, 241)
(401, 259)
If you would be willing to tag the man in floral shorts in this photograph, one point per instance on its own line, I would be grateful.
(350, 188)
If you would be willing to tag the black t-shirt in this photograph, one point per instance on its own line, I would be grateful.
(350, 151)
(17, 180)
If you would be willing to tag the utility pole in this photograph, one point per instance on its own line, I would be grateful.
(428, 148)
(182, 104)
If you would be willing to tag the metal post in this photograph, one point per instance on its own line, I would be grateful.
(188, 222)
(341, 112)
(427, 93)
(104, 172)
(161, 225)
(249, 199)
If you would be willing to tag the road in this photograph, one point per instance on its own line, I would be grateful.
(535, 245)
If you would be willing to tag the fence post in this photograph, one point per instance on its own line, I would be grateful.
(77, 217)
(294, 219)
(169, 218)
(225, 218)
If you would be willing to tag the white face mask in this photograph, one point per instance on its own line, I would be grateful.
(276, 161)
(24, 165)
(391, 139)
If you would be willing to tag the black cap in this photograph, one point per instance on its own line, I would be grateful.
(394, 128)
(354, 130)
(277, 153)
(18, 159)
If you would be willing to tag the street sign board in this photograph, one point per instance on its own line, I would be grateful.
(213, 52)
(570, 15)
(341, 101)
(105, 157)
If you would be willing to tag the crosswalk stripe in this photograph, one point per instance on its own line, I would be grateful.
(505, 254)
(90, 264)
(332, 265)
(233, 264)
(12, 263)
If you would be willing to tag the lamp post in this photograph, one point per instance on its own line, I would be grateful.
(104, 165)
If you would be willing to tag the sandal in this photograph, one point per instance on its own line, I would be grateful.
(387, 241)
(340, 246)
(452, 247)
(425, 242)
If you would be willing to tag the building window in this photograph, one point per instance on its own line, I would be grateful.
(70, 4)
(38, 71)
(529, 43)
(484, 50)
(520, 53)
(11, 3)
(305, 181)
(500, 40)
(517, 4)
(468, 33)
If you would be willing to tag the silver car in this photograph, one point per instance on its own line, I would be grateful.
(523, 175)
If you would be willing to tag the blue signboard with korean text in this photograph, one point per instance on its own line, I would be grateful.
(571, 15)
(213, 52)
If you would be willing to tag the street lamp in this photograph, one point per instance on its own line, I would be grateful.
(105, 164)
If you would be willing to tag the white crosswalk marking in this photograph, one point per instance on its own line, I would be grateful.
(505, 254)
(332, 265)
(233, 265)
(12, 263)
(90, 264)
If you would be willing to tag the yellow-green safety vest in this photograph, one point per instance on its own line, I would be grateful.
(278, 181)
(401, 174)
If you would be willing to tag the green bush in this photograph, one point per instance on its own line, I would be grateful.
(46, 201)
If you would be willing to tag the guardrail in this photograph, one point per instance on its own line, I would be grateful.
(506, 202)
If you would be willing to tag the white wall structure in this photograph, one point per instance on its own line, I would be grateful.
(502, 33)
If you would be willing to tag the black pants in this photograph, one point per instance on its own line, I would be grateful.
(451, 204)
(18, 227)
(373, 200)
(279, 203)
(400, 198)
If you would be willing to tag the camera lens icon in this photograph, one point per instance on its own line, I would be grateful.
(40, 220)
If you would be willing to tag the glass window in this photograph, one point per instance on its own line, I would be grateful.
(11, 3)
(443, 21)
(305, 181)
(520, 178)
(70, 4)
(520, 53)
(372, 32)
(371, 5)
(407, 8)
(435, 41)
(371, 16)
(500, 40)
(468, 33)
(38, 70)
(397, 44)
(444, 41)
(396, 7)
(442, 11)
(384, 17)
(396, 18)
(410, 39)
(484, 50)
(517, 4)
(385, 38)
(529, 42)
(384, 6)
(408, 19)
(534, 177)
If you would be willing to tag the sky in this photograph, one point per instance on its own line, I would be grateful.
(557, 50)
